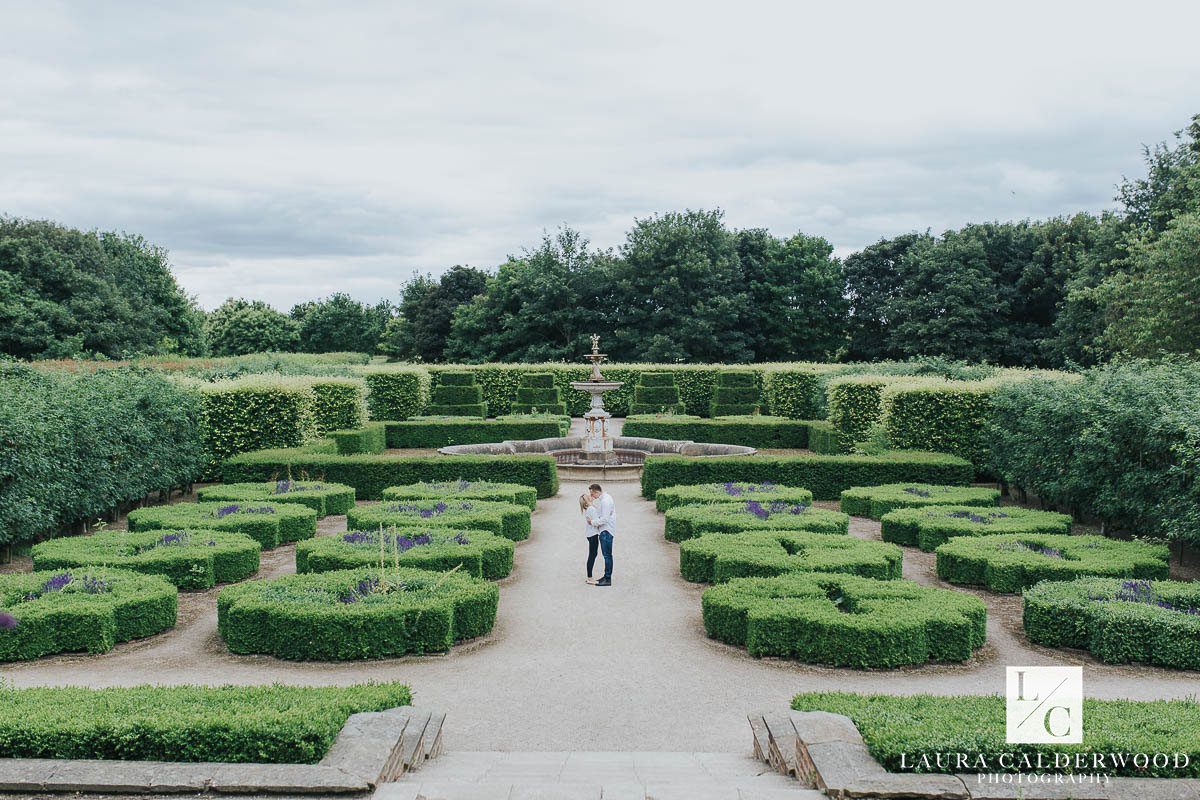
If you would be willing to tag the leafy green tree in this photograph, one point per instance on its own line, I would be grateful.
(339, 324)
(874, 277)
(240, 326)
(1091, 249)
(427, 308)
(1171, 186)
(70, 293)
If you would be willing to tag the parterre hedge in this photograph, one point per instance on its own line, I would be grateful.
(244, 724)
(456, 395)
(480, 553)
(513, 493)
(88, 610)
(825, 475)
(355, 614)
(896, 727)
(433, 432)
(931, 526)
(736, 393)
(370, 438)
(197, 559)
(537, 393)
(654, 393)
(751, 431)
(688, 522)
(1012, 562)
(1120, 622)
(396, 393)
(825, 439)
(269, 524)
(372, 473)
(719, 557)
(505, 519)
(324, 498)
(707, 493)
(875, 501)
(845, 620)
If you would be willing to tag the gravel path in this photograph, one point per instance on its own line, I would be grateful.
(575, 667)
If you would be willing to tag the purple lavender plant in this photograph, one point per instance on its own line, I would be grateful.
(94, 585)
(798, 509)
(364, 588)
(754, 507)
(358, 537)
(7, 621)
(225, 511)
(282, 487)
(733, 490)
(463, 485)
(440, 508)
(168, 539)
(461, 538)
(57, 583)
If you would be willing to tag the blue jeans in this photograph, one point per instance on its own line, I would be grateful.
(606, 540)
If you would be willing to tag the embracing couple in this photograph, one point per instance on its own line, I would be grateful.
(599, 522)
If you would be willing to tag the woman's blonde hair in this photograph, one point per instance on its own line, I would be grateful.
(585, 501)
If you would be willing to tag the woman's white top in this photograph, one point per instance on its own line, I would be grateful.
(589, 520)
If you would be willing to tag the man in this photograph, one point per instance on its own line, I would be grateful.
(606, 523)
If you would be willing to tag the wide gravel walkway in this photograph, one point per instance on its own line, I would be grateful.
(576, 667)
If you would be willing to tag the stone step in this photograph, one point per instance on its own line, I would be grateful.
(680, 790)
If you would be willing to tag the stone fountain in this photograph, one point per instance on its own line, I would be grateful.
(597, 444)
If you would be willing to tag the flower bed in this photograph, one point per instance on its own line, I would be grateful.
(476, 552)
(196, 559)
(708, 493)
(826, 476)
(80, 610)
(504, 519)
(269, 524)
(719, 557)
(355, 614)
(931, 526)
(324, 498)
(1119, 621)
(688, 522)
(875, 501)
(844, 620)
(513, 493)
(256, 724)
(895, 728)
(1012, 562)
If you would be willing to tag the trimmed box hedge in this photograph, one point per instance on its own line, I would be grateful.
(252, 413)
(371, 474)
(855, 404)
(793, 392)
(948, 416)
(537, 393)
(513, 493)
(537, 380)
(324, 498)
(931, 526)
(875, 501)
(736, 394)
(269, 524)
(825, 475)
(355, 614)
(825, 439)
(1012, 562)
(656, 392)
(719, 557)
(1119, 621)
(273, 724)
(397, 393)
(197, 559)
(463, 378)
(845, 620)
(688, 522)
(455, 396)
(370, 438)
(473, 410)
(897, 727)
(479, 553)
(505, 519)
(708, 493)
(434, 432)
(85, 610)
(338, 404)
(751, 431)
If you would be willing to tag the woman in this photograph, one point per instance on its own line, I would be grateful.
(590, 515)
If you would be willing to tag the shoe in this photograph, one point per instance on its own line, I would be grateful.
(603, 582)
(591, 581)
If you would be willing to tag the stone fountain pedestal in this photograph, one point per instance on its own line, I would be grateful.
(597, 443)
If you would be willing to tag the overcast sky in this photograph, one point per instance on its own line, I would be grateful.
(299, 149)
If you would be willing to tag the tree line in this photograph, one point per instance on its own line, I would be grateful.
(684, 286)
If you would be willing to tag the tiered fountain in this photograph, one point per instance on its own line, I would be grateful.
(597, 444)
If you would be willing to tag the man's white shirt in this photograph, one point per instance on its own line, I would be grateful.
(607, 518)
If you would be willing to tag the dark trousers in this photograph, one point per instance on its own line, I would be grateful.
(606, 540)
(593, 548)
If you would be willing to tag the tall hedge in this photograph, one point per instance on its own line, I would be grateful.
(254, 413)
(397, 393)
(946, 416)
(338, 404)
(855, 404)
(792, 392)
(74, 447)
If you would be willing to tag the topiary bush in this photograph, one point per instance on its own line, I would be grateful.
(931, 526)
(719, 557)
(269, 524)
(370, 438)
(324, 498)
(855, 404)
(793, 392)
(751, 431)
(86, 610)
(253, 413)
(197, 559)
(513, 493)
(504, 519)
(370, 474)
(456, 395)
(355, 614)
(434, 432)
(1118, 621)
(1012, 562)
(338, 404)
(476, 552)
(396, 393)
(875, 501)
(537, 393)
(709, 493)
(947, 416)
(826, 476)
(688, 522)
(655, 392)
(273, 724)
(844, 620)
(735, 394)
